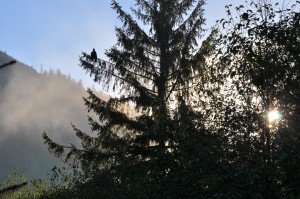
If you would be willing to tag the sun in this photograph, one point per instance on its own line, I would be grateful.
(274, 115)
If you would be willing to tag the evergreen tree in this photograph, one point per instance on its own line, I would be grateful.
(148, 151)
(186, 127)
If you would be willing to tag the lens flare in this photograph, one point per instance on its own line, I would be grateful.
(274, 115)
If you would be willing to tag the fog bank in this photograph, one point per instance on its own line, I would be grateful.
(31, 103)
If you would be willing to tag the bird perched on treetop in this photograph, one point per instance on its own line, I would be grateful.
(94, 55)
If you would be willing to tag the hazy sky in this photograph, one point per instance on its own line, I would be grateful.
(52, 33)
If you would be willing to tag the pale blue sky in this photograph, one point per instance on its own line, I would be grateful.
(52, 33)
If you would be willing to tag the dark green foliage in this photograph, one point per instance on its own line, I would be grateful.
(141, 149)
(18, 185)
(260, 55)
(186, 127)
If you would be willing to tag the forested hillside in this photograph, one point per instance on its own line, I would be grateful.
(32, 102)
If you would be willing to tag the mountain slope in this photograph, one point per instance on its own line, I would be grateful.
(31, 103)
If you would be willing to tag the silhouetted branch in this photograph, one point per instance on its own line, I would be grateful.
(13, 187)
(8, 63)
